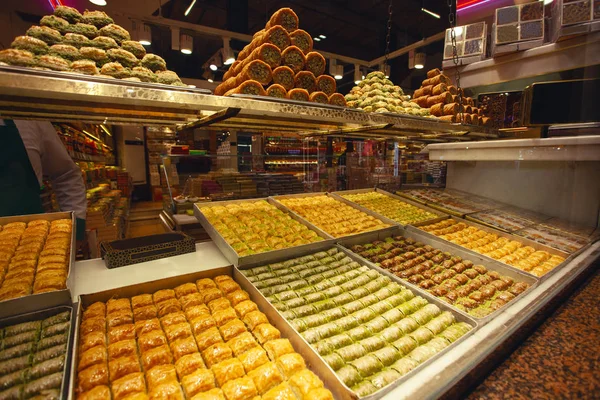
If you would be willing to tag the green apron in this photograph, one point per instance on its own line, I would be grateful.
(19, 187)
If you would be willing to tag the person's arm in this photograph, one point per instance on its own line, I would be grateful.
(49, 157)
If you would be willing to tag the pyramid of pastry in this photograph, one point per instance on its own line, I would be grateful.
(90, 44)
(441, 97)
(280, 62)
(376, 93)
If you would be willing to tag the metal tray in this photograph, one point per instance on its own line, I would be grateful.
(341, 390)
(339, 195)
(294, 102)
(168, 283)
(443, 245)
(99, 79)
(534, 218)
(406, 195)
(527, 242)
(388, 221)
(43, 314)
(260, 258)
(31, 302)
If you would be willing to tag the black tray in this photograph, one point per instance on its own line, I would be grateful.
(120, 253)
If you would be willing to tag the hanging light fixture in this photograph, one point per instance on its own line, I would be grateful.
(420, 60)
(144, 35)
(101, 3)
(339, 72)
(332, 66)
(386, 69)
(228, 57)
(357, 74)
(186, 44)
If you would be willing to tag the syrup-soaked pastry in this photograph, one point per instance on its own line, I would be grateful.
(207, 338)
(227, 285)
(253, 358)
(121, 332)
(142, 327)
(114, 305)
(242, 343)
(167, 307)
(224, 316)
(190, 300)
(245, 307)
(159, 375)
(198, 381)
(219, 304)
(92, 376)
(202, 323)
(151, 340)
(212, 394)
(132, 383)
(97, 393)
(188, 364)
(92, 324)
(142, 300)
(237, 296)
(93, 356)
(255, 318)
(192, 312)
(120, 367)
(210, 294)
(169, 390)
(120, 317)
(185, 289)
(122, 349)
(182, 347)
(172, 319)
(282, 391)
(228, 370)
(178, 331)
(303, 382)
(156, 356)
(266, 377)
(162, 295)
(291, 363)
(143, 313)
(92, 339)
(205, 283)
(278, 347)
(232, 329)
(240, 389)
(266, 332)
(216, 353)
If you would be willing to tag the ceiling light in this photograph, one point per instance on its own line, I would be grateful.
(323, 36)
(144, 35)
(546, 2)
(186, 44)
(458, 31)
(339, 72)
(434, 15)
(228, 57)
(357, 75)
(316, 39)
(385, 69)
(213, 67)
(98, 2)
(189, 8)
(332, 66)
(420, 60)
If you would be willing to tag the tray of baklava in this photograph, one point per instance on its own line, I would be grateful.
(197, 336)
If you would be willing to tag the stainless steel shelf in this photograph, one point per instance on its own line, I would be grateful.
(79, 98)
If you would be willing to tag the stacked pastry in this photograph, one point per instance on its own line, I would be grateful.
(89, 44)
(511, 252)
(281, 58)
(370, 331)
(390, 207)
(469, 287)
(332, 216)
(32, 359)
(441, 97)
(34, 257)
(376, 93)
(202, 341)
(257, 226)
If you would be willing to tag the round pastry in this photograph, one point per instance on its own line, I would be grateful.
(298, 94)
(285, 17)
(65, 51)
(144, 74)
(284, 76)
(134, 48)
(48, 35)
(268, 53)
(36, 46)
(305, 80)
(97, 18)
(154, 63)
(315, 63)
(319, 97)
(68, 13)
(302, 40)
(124, 57)
(17, 57)
(77, 40)
(276, 90)
(115, 70)
(168, 77)
(255, 70)
(87, 67)
(53, 63)
(104, 42)
(294, 58)
(87, 30)
(116, 32)
(337, 99)
(327, 84)
(276, 35)
(54, 22)
(249, 87)
(95, 54)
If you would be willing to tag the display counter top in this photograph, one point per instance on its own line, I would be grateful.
(430, 382)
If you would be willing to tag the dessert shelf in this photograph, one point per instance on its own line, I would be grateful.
(74, 98)
(580, 148)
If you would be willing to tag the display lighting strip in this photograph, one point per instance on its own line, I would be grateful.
(466, 4)
(55, 3)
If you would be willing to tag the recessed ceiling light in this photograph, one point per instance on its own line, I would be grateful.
(316, 39)
(323, 36)
(210, 80)
(98, 2)
(213, 67)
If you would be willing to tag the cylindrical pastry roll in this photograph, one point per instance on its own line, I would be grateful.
(470, 101)
(474, 119)
(268, 53)
(463, 118)
(319, 97)
(475, 110)
(337, 99)
(285, 17)
(293, 58)
(302, 39)
(445, 97)
(284, 76)
(305, 80)
(485, 121)
(255, 70)
(230, 72)
(437, 109)
(326, 84)
(299, 94)
(436, 80)
(452, 89)
(467, 109)
(242, 55)
(439, 89)
(225, 86)
(450, 109)
(249, 87)
(448, 118)
(277, 36)
(433, 72)
(422, 101)
(419, 93)
(315, 63)
(276, 90)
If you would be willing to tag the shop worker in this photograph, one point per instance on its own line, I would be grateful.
(28, 151)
